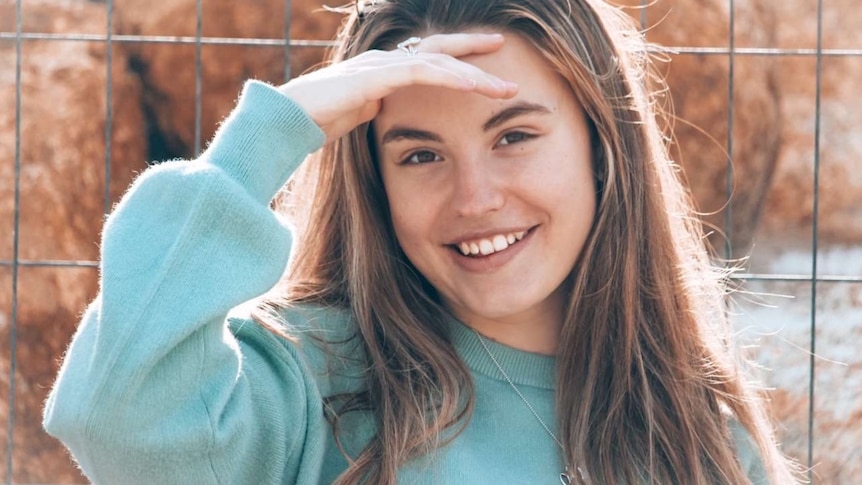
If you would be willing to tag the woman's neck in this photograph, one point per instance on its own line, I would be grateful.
(536, 329)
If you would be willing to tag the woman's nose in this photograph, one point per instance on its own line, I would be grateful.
(476, 190)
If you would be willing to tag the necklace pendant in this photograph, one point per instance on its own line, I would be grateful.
(566, 479)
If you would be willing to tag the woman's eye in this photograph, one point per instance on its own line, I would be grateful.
(423, 156)
(514, 137)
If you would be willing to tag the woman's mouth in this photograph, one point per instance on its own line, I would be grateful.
(489, 245)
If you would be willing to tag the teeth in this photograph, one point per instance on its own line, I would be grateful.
(500, 243)
(490, 245)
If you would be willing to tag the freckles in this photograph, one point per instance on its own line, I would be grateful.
(408, 219)
(565, 182)
(401, 224)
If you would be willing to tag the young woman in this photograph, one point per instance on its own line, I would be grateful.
(495, 277)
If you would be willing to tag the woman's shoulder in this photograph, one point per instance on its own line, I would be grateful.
(748, 453)
(322, 339)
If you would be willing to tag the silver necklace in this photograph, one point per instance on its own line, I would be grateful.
(565, 477)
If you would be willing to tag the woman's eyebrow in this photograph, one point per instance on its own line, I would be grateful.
(400, 132)
(397, 133)
(518, 109)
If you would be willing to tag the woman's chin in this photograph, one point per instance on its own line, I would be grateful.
(509, 304)
(498, 310)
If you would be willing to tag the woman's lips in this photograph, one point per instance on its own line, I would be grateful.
(491, 262)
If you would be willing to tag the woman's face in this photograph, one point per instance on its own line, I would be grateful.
(508, 182)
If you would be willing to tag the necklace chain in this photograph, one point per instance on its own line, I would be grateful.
(565, 478)
(517, 391)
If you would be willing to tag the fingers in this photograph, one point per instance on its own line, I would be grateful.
(460, 45)
(444, 50)
(440, 70)
(386, 71)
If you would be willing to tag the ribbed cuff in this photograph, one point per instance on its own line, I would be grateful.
(264, 140)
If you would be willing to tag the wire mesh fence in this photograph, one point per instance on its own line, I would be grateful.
(810, 276)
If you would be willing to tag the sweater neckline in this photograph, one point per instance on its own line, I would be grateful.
(524, 368)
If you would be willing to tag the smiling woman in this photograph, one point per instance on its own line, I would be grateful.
(499, 279)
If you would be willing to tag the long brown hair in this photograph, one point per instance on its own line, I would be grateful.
(644, 291)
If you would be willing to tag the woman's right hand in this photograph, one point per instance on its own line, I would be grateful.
(343, 95)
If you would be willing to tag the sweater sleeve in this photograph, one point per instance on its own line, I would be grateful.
(154, 388)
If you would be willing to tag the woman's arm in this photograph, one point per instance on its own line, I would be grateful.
(154, 388)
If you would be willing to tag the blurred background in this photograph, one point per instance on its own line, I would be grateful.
(768, 114)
